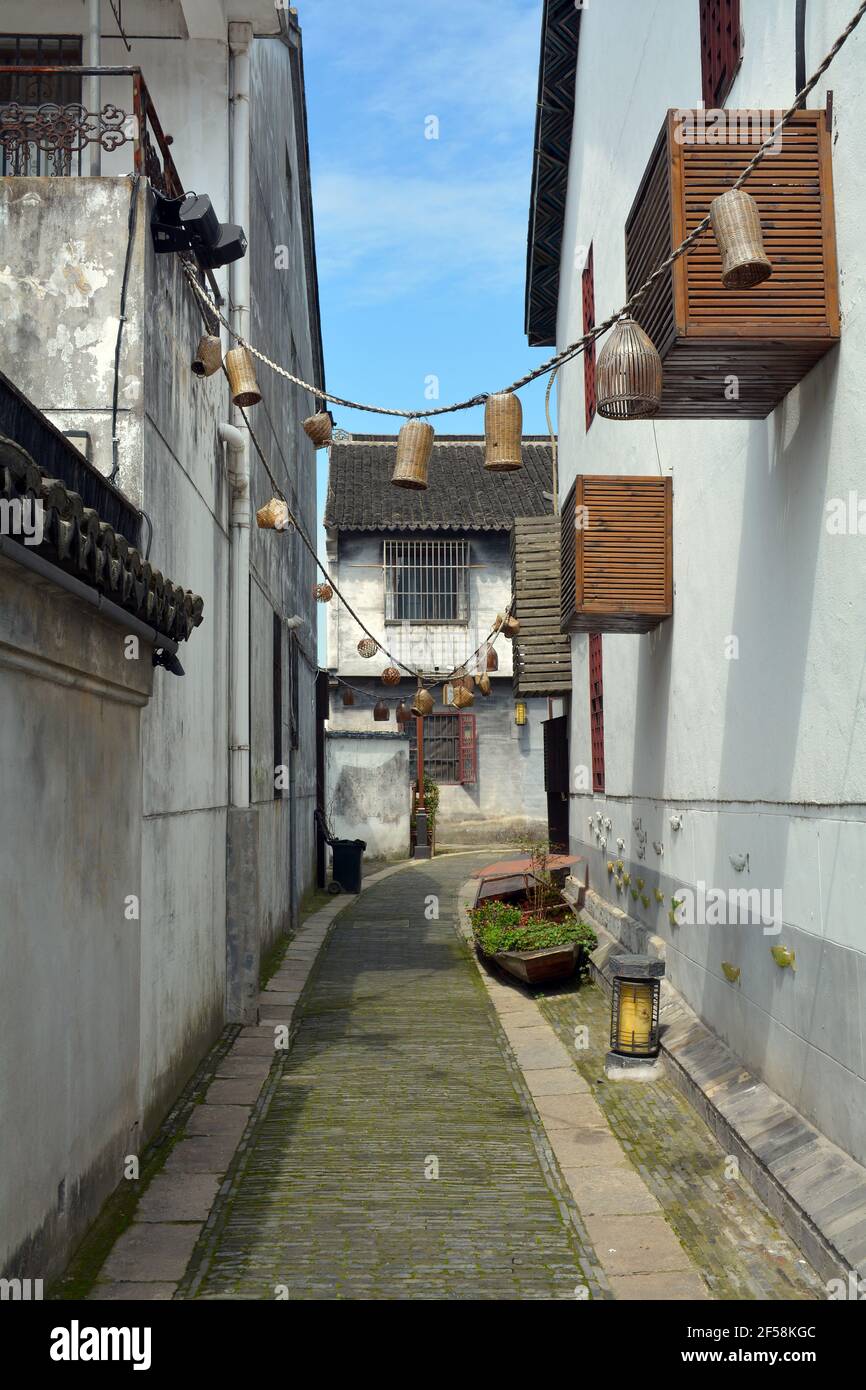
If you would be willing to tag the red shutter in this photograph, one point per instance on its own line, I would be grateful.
(596, 711)
(468, 749)
(588, 285)
(721, 49)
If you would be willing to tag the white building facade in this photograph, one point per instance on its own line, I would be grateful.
(734, 733)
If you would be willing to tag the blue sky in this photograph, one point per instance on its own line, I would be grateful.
(422, 242)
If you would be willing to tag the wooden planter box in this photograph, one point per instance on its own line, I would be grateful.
(541, 967)
(617, 554)
(768, 337)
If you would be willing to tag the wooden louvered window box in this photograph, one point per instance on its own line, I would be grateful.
(541, 652)
(736, 353)
(617, 554)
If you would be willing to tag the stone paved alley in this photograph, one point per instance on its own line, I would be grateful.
(432, 1134)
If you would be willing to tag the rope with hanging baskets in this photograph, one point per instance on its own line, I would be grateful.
(578, 346)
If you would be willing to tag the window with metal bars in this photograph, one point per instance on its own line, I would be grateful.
(596, 711)
(721, 49)
(426, 581)
(588, 287)
(450, 748)
(30, 90)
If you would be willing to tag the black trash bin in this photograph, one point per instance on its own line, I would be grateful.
(347, 865)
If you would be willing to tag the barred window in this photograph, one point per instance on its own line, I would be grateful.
(30, 90)
(450, 748)
(427, 581)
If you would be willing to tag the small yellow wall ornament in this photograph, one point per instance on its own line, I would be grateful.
(784, 957)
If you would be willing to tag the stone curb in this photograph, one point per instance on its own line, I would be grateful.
(827, 1220)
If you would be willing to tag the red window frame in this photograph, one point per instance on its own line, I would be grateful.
(466, 749)
(721, 49)
(596, 710)
(587, 281)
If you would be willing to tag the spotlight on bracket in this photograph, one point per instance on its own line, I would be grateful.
(189, 223)
(161, 657)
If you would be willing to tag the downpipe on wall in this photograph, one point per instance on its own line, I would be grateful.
(235, 436)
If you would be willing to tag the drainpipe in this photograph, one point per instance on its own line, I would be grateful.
(800, 48)
(90, 94)
(235, 436)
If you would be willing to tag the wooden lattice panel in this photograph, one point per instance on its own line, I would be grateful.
(766, 338)
(616, 549)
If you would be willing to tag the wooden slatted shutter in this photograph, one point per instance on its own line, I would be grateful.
(721, 49)
(468, 749)
(596, 710)
(617, 554)
(588, 287)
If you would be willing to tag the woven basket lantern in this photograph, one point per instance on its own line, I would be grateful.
(273, 516)
(423, 703)
(737, 225)
(367, 647)
(381, 712)
(628, 374)
(467, 682)
(414, 447)
(492, 659)
(348, 696)
(324, 593)
(462, 698)
(242, 377)
(208, 356)
(508, 626)
(503, 428)
(483, 683)
(391, 676)
(318, 427)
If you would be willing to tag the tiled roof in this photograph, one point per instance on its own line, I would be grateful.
(77, 540)
(461, 495)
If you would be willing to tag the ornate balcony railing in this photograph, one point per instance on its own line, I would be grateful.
(50, 137)
(39, 137)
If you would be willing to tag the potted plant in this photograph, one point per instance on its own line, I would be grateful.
(533, 948)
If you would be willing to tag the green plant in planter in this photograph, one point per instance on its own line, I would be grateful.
(626, 878)
(619, 866)
(660, 897)
(640, 884)
(498, 926)
(645, 900)
(634, 894)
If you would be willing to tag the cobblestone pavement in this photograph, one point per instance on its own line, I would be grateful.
(399, 1070)
(734, 1241)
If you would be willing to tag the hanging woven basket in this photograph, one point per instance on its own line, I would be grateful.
(273, 516)
(391, 676)
(348, 696)
(483, 683)
(422, 704)
(467, 682)
(736, 222)
(324, 593)
(492, 659)
(367, 647)
(503, 429)
(402, 715)
(508, 626)
(208, 356)
(381, 712)
(628, 374)
(414, 447)
(318, 427)
(242, 377)
(462, 698)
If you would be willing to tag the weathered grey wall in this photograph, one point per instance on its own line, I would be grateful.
(368, 790)
(70, 831)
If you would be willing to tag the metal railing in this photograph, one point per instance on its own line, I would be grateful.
(39, 137)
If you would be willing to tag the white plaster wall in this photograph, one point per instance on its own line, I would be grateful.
(765, 754)
(368, 790)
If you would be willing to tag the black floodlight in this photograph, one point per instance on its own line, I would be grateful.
(189, 223)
